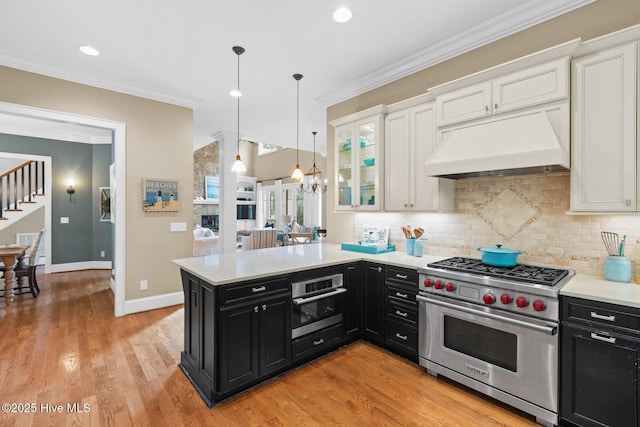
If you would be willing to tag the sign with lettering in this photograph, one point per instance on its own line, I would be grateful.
(160, 195)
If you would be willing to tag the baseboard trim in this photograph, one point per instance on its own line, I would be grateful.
(75, 266)
(151, 303)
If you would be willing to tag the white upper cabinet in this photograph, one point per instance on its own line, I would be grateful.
(358, 161)
(532, 86)
(409, 141)
(604, 131)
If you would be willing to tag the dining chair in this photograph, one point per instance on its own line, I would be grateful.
(300, 238)
(27, 268)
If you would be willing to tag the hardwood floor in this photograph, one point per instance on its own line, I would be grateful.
(67, 348)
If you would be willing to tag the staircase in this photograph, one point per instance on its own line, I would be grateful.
(21, 192)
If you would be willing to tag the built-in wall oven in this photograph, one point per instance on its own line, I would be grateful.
(317, 304)
(494, 330)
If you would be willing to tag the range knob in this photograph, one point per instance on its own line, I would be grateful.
(428, 283)
(488, 299)
(522, 302)
(506, 299)
(539, 305)
(438, 285)
(450, 287)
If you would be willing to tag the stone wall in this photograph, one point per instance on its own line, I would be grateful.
(206, 162)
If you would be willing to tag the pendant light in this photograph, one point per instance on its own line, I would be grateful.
(314, 174)
(238, 166)
(297, 172)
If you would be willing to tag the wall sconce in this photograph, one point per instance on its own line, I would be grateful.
(70, 189)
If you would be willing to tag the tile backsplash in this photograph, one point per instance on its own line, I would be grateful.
(527, 213)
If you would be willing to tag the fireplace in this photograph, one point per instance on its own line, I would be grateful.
(210, 221)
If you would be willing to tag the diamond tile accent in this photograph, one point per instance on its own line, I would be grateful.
(508, 213)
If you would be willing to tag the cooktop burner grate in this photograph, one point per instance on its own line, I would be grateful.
(521, 272)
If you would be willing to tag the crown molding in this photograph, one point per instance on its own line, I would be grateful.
(514, 21)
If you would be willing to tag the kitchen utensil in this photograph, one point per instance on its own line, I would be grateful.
(624, 239)
(418, 232)
(499, 256)
(611, 242)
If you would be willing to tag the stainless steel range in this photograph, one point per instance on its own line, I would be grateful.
(494, 329)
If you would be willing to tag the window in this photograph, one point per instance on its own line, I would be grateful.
(266, 149)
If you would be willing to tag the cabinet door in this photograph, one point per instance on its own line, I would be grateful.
(599, 378)
(398, 185)
(191, 286)
(275, 334)
(351, 316)
(373, 303)
(344, 164)
(468, 103)
(239, 340)
(603, 147)
(535, 85)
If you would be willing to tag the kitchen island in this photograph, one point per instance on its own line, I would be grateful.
(239, 310)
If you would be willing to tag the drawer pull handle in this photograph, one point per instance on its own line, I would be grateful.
(402, 337)
(401, 276)
(260, 289)
(595, 315)
(610, 340)
(401, 313)
(320, 341)
(401, 295)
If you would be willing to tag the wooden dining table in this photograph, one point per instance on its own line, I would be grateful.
(11, 256)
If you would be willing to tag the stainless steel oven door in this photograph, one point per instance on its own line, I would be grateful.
(515, 354)
(309, 314)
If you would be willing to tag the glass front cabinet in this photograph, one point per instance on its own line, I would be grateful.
(358, 160)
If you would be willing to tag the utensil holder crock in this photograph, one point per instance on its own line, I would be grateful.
(411, 243)
(617, 269)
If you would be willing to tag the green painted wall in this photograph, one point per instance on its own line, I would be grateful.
(84, 236)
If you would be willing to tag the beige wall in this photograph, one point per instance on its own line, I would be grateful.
(159, 144)
(280, 164)
(598, 18)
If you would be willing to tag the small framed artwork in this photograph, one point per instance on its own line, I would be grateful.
(160, 195)
(105, 204)
(212, 188)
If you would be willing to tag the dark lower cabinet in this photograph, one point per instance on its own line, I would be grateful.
(600, 358)
(255, 340)
(317, 342)
(372, 303)
(401, 312)
(351, 316)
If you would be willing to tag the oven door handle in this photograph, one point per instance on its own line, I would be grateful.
(300, 301)
(549, 330)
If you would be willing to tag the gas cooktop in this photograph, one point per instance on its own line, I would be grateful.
(522, 273)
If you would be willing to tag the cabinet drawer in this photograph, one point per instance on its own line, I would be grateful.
(401, 293)
(402, 275)
(600, 314)
(317, 341)
(402, 337)
(233, 294)
(404, 313)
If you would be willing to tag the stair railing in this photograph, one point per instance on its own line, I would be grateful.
(20, 185)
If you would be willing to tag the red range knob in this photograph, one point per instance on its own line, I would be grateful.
(488, 299)
(450, 287)
(428, 283)
(539, 305)
(506, 298)
(522, 302)
(438, 285)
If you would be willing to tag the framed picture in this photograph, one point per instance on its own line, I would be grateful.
(105, 204)
(212, 188)
(160, 195)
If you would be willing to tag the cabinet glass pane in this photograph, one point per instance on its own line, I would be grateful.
(367, 163)
(345, 168)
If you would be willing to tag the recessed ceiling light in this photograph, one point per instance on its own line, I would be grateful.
(88, 50)
(342, 15)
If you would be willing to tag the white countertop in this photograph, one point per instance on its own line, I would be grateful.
(599, 289)
(239, 266)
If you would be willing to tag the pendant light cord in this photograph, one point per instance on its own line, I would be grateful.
(297, 117)
(239, 94)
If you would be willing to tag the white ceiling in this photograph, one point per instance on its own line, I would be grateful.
(180, 52)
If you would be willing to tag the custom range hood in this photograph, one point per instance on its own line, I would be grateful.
(536, 142)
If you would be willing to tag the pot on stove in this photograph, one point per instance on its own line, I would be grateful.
(499, 256)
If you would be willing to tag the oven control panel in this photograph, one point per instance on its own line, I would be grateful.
(517, 301)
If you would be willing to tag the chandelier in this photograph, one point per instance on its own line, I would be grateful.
(313, 178)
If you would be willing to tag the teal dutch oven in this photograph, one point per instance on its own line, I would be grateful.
(499, 256)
